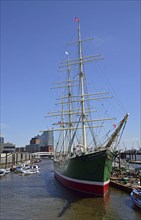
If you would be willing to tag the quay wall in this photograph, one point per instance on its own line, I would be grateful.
(9, 160)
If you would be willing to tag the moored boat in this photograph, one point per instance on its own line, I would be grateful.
(136, 197)
(7, 170)
(2, 172)
(27, 169)
(88, 173)
(28, 172)
(83, 157)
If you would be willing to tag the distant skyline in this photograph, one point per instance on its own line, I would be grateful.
(33, 38)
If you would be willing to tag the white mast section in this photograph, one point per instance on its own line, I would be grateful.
(69, 100)
(81, 78)
(64, 148)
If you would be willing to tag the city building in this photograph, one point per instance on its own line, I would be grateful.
(33, 148)
(1, 140)
(41, 143)
(20, 149)
(6, 147)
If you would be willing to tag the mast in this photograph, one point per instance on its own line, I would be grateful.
(64, 148)
(81, 78)
(69, 100)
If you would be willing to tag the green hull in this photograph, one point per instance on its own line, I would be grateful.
(90, 169)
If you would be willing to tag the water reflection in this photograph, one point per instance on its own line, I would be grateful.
(115, 205)
(76, 202)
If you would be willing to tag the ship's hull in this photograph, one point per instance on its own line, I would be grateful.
(89, 173)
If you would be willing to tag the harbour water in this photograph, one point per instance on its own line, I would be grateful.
(41, 197)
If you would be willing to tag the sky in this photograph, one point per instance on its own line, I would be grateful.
(33, 38)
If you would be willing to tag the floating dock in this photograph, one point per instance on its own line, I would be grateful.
(121, 186)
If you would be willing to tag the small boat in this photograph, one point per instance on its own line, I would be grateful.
(136, 197)
(18, 169)
(28, 172)
(7, 171)
(26, 166)
(27, 169)
(35, 168)
(2, 172)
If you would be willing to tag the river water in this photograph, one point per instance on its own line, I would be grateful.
(41, 197)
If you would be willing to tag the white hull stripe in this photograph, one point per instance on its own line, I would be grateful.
(82, 181)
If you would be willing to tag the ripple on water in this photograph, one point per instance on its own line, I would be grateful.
(41, 197)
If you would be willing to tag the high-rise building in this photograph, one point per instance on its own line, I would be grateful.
(47, 139)
(1, 140)
(43, 142)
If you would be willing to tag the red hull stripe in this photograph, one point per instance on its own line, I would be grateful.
(83, 186)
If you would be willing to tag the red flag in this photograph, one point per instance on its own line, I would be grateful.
(114, 125)
(61, 123)
(76, 19)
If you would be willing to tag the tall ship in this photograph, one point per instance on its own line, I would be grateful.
(85, 144)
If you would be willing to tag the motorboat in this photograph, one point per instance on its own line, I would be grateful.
(2, 172)
(136, 197)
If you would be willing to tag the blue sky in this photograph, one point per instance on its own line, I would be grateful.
(33, 37)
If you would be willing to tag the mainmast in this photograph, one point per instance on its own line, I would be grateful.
(81, 78)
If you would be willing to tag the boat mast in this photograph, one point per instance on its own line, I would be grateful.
(81, 78)
(62, 122)
(69, 100)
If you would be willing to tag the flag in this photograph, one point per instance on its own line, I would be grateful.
(76, 19)
(114, 125)
(61, 123)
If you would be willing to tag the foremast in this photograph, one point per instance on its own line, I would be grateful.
(69, 100)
